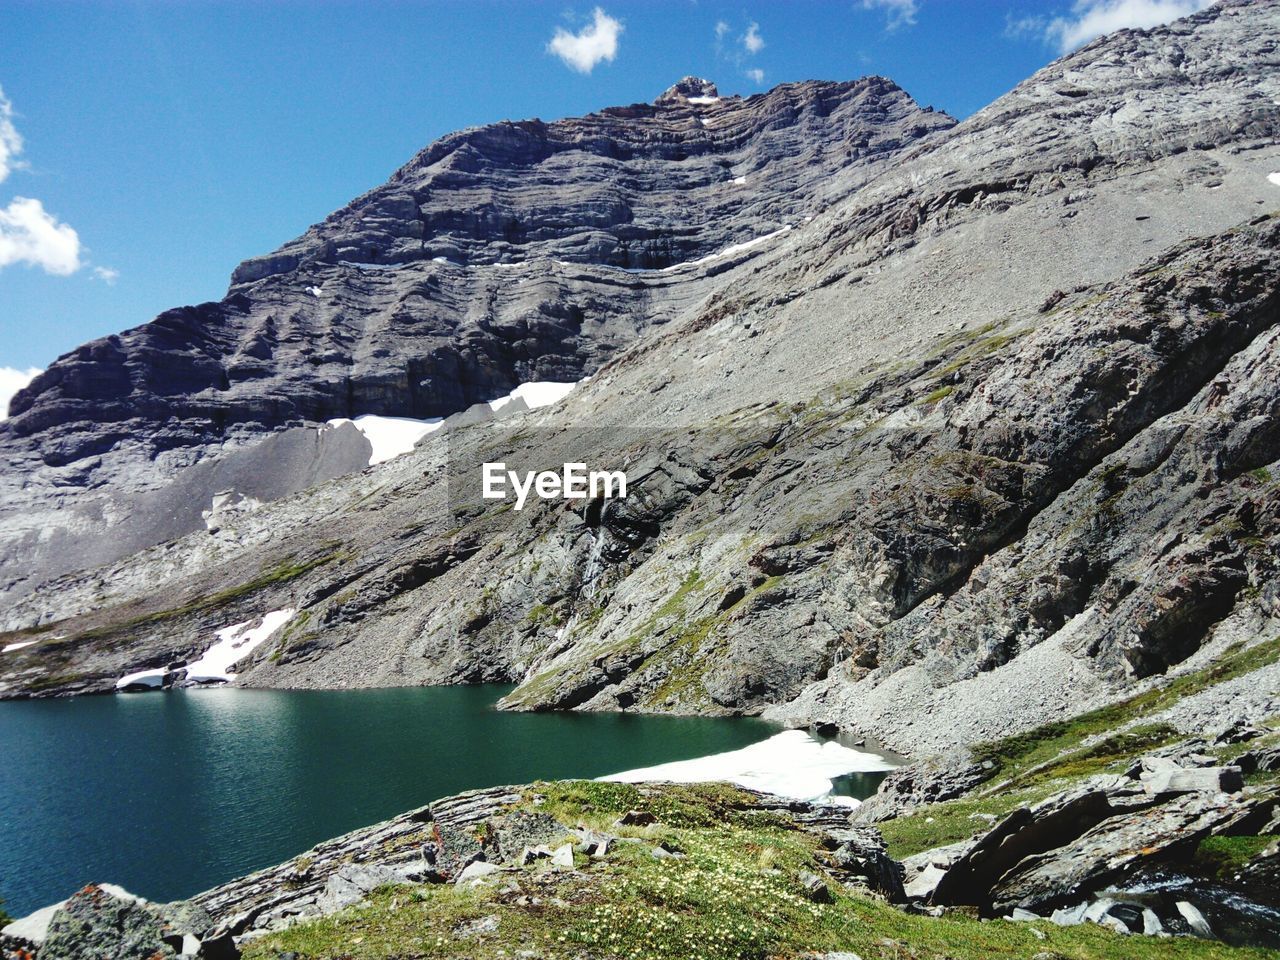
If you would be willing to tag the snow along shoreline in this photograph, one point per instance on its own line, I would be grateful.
(790, 764)
(213, 666)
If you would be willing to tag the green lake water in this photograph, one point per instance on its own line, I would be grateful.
(170, 793)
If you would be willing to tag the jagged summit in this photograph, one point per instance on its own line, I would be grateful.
(690, 89)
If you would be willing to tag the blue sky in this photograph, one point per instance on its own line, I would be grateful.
(162, 143)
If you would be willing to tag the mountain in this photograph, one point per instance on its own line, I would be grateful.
(500, 255)
(986, 438)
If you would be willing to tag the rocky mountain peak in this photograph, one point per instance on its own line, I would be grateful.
(499, 255)
(689, 88)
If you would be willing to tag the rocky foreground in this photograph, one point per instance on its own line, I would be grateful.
(1106, 836)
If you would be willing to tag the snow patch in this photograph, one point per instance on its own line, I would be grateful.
(235, 643)
(390, 436)
(790, 764)
(152, 679)
(214, 666)
(314, 291)
(535, 394)
(702, 101)
(18, 646)
(1274, 178)
(739, 180)
(730, 251)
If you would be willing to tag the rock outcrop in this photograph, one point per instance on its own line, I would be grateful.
(103, 920)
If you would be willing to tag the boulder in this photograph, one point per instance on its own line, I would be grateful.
(510, 834)
(858, 858)
(1161, 776)
(562, 857)
(1195, 920)
(1262, 873)
(96, 923)
(455, 847)
(1259, 760)
(1028, 832)
(595, 845)
(928, 781)
(665, 851)
(636, 818)
(185, 917)
(1108, 851)
(219, 945)
(923, 883)
(534, 854)
(352, 883)
(814, 887)
(1086, 837)
(1238, 731)
(923, 871)
(31, 930)
(476, 872)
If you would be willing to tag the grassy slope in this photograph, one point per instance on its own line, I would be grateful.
(735, 895)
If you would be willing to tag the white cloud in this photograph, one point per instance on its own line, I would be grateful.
(107, 275)
(1022, 26)
(11, 381)
(27, 233)
(741, 49)
(581, 51)
(10, 140)
(1093, 18)
(898, 13)
(30, 235)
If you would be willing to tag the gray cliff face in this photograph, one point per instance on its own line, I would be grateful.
(499, 255)
(989, 440)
